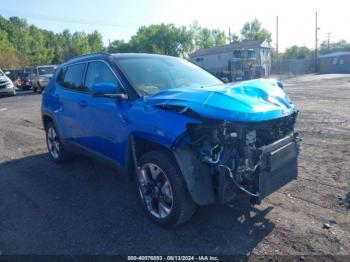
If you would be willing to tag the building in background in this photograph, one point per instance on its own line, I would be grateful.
(338, 62)
(218, 59)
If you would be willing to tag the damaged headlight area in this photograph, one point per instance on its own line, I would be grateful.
(247, 157)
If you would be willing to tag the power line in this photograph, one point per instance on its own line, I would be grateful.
(70, 19)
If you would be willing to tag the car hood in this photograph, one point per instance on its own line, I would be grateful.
(47, 76)
(4, 79)
(248, 101)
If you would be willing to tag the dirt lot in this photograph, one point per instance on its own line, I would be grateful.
(82, 207)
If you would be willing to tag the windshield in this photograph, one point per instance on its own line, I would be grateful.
(149, 75)
(46, 70)
(1, 73)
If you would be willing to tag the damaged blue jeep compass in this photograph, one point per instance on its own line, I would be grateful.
(183, 136)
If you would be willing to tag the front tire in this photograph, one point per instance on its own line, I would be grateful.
(162, 190)
(54, 145)
(36, 87)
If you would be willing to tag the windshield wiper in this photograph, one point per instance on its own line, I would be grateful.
(213, 85)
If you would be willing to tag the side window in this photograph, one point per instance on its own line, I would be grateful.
(99, 72)
(60, 75)
(73, 78)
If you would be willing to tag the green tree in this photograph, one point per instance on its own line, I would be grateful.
(253, 31)
(234, 38)
(164, 39)
(296, 52)
(20, 36)
(51, 46)
(219, 37)
(341, 45)
(95, 41)
(8, 55)
(119, 46)
(38, 52)
(79, 44)
(205, 38)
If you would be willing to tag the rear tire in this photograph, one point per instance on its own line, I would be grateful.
(159, 208)
(54, 145)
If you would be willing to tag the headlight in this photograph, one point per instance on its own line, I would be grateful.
(9, 84)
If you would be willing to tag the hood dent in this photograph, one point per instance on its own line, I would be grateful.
(255, 100)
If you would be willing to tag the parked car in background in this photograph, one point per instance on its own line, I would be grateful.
(184, 136)
(6, 85)
(41, 76)
(25, 76)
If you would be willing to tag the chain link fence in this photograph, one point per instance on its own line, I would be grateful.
(292, 66)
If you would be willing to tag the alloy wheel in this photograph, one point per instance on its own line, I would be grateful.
(53, 142)
(155, 190)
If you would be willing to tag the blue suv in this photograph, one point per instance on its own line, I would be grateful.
(182, 135)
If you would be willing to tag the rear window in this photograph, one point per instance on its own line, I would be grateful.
(49, 70)
(73, 77)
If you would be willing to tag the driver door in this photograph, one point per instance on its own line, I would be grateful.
(102, 118)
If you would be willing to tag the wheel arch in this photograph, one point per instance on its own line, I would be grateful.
(46, 120)
(138, 146)
(48, 117)
(195, 173)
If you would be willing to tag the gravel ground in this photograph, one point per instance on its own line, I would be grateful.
(82, 207)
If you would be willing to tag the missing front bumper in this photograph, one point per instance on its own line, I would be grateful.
(278, 166)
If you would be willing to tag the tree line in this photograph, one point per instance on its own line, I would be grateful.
(302, 52)
(22, 44)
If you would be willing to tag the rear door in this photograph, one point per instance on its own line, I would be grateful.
(72, 97)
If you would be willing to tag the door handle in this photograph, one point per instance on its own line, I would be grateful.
(57, 97)
(83, 103)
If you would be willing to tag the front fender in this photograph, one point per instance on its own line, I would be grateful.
(160, 140)
(197, 176)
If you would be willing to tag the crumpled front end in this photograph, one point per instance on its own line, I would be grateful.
(256, 158)
(244, 140)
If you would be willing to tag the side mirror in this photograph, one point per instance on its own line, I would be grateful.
(107, 89)
(280, 84)
(7, 73)
(276, 83)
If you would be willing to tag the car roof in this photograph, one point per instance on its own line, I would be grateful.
(131, 55)
(46, 66)
(105, 55)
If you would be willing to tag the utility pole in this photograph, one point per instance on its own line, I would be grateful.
(328, 40)
(229, 35)
(277, 58)
(316, 40)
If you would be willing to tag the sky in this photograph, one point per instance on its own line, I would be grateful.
(120, 19)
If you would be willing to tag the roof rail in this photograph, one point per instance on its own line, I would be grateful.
(96, 53)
